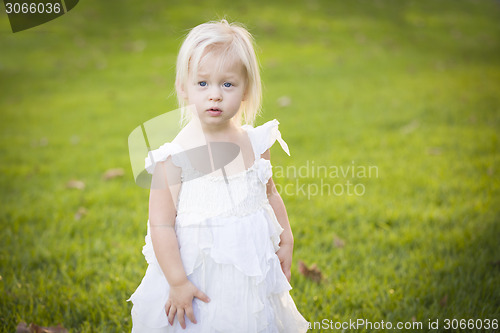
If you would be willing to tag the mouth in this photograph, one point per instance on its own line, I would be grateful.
(214, 112)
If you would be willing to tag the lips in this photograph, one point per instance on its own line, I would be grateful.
(214, 112)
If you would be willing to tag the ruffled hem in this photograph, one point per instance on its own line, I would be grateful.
(246, 242)
(264, 306)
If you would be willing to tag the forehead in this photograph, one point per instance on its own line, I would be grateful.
(219, 62)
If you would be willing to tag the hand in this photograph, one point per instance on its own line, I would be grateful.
(285, 256)
(180, 302)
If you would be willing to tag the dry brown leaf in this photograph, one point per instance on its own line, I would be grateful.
(22, 328)
(82, 211)
(284, 101)
(311, 272)
(338, 242)
(44, 142)
(75, 183)
(75, 139)
(434, 151)
(33, 328)
(410, 127)
(135, 46)
(444, 301)
(113, 173)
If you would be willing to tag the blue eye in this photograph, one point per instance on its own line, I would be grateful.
(202, 84)
(227, 84)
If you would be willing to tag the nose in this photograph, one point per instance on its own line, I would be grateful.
(215, 94)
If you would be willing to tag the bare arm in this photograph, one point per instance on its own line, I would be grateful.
(162, 213)
(285, 252)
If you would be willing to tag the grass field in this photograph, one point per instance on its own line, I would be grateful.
(409, 88)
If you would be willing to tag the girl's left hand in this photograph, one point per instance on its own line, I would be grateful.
(285, 254)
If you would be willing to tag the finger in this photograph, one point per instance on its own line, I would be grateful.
(190, 314)
(180, 317)
(171, 315)
(167, 307)
(201, 295)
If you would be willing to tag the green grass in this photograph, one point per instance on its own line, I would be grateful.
(411, 87)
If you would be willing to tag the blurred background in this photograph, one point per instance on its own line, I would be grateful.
(408, 87)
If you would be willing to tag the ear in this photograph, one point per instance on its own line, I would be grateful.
(181, 90)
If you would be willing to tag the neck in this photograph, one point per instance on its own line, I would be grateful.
(219, 131)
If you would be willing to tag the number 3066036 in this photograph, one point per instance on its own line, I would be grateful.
(32, 8)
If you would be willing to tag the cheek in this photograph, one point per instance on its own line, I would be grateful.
(238, 95)
(193, 94)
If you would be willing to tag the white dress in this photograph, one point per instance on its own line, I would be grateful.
(228, 248)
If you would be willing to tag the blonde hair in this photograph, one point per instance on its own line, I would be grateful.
(228, 41)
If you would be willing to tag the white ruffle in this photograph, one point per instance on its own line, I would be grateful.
(264, 136)
(238, 303)
(264, 170)
(246, 243)
(239, 241)
(161, 154)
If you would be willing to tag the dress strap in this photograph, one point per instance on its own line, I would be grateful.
(263, 137)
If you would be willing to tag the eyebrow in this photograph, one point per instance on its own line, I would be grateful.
(230, 75)
(202, 73)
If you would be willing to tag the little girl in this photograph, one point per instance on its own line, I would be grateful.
(219, 245)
